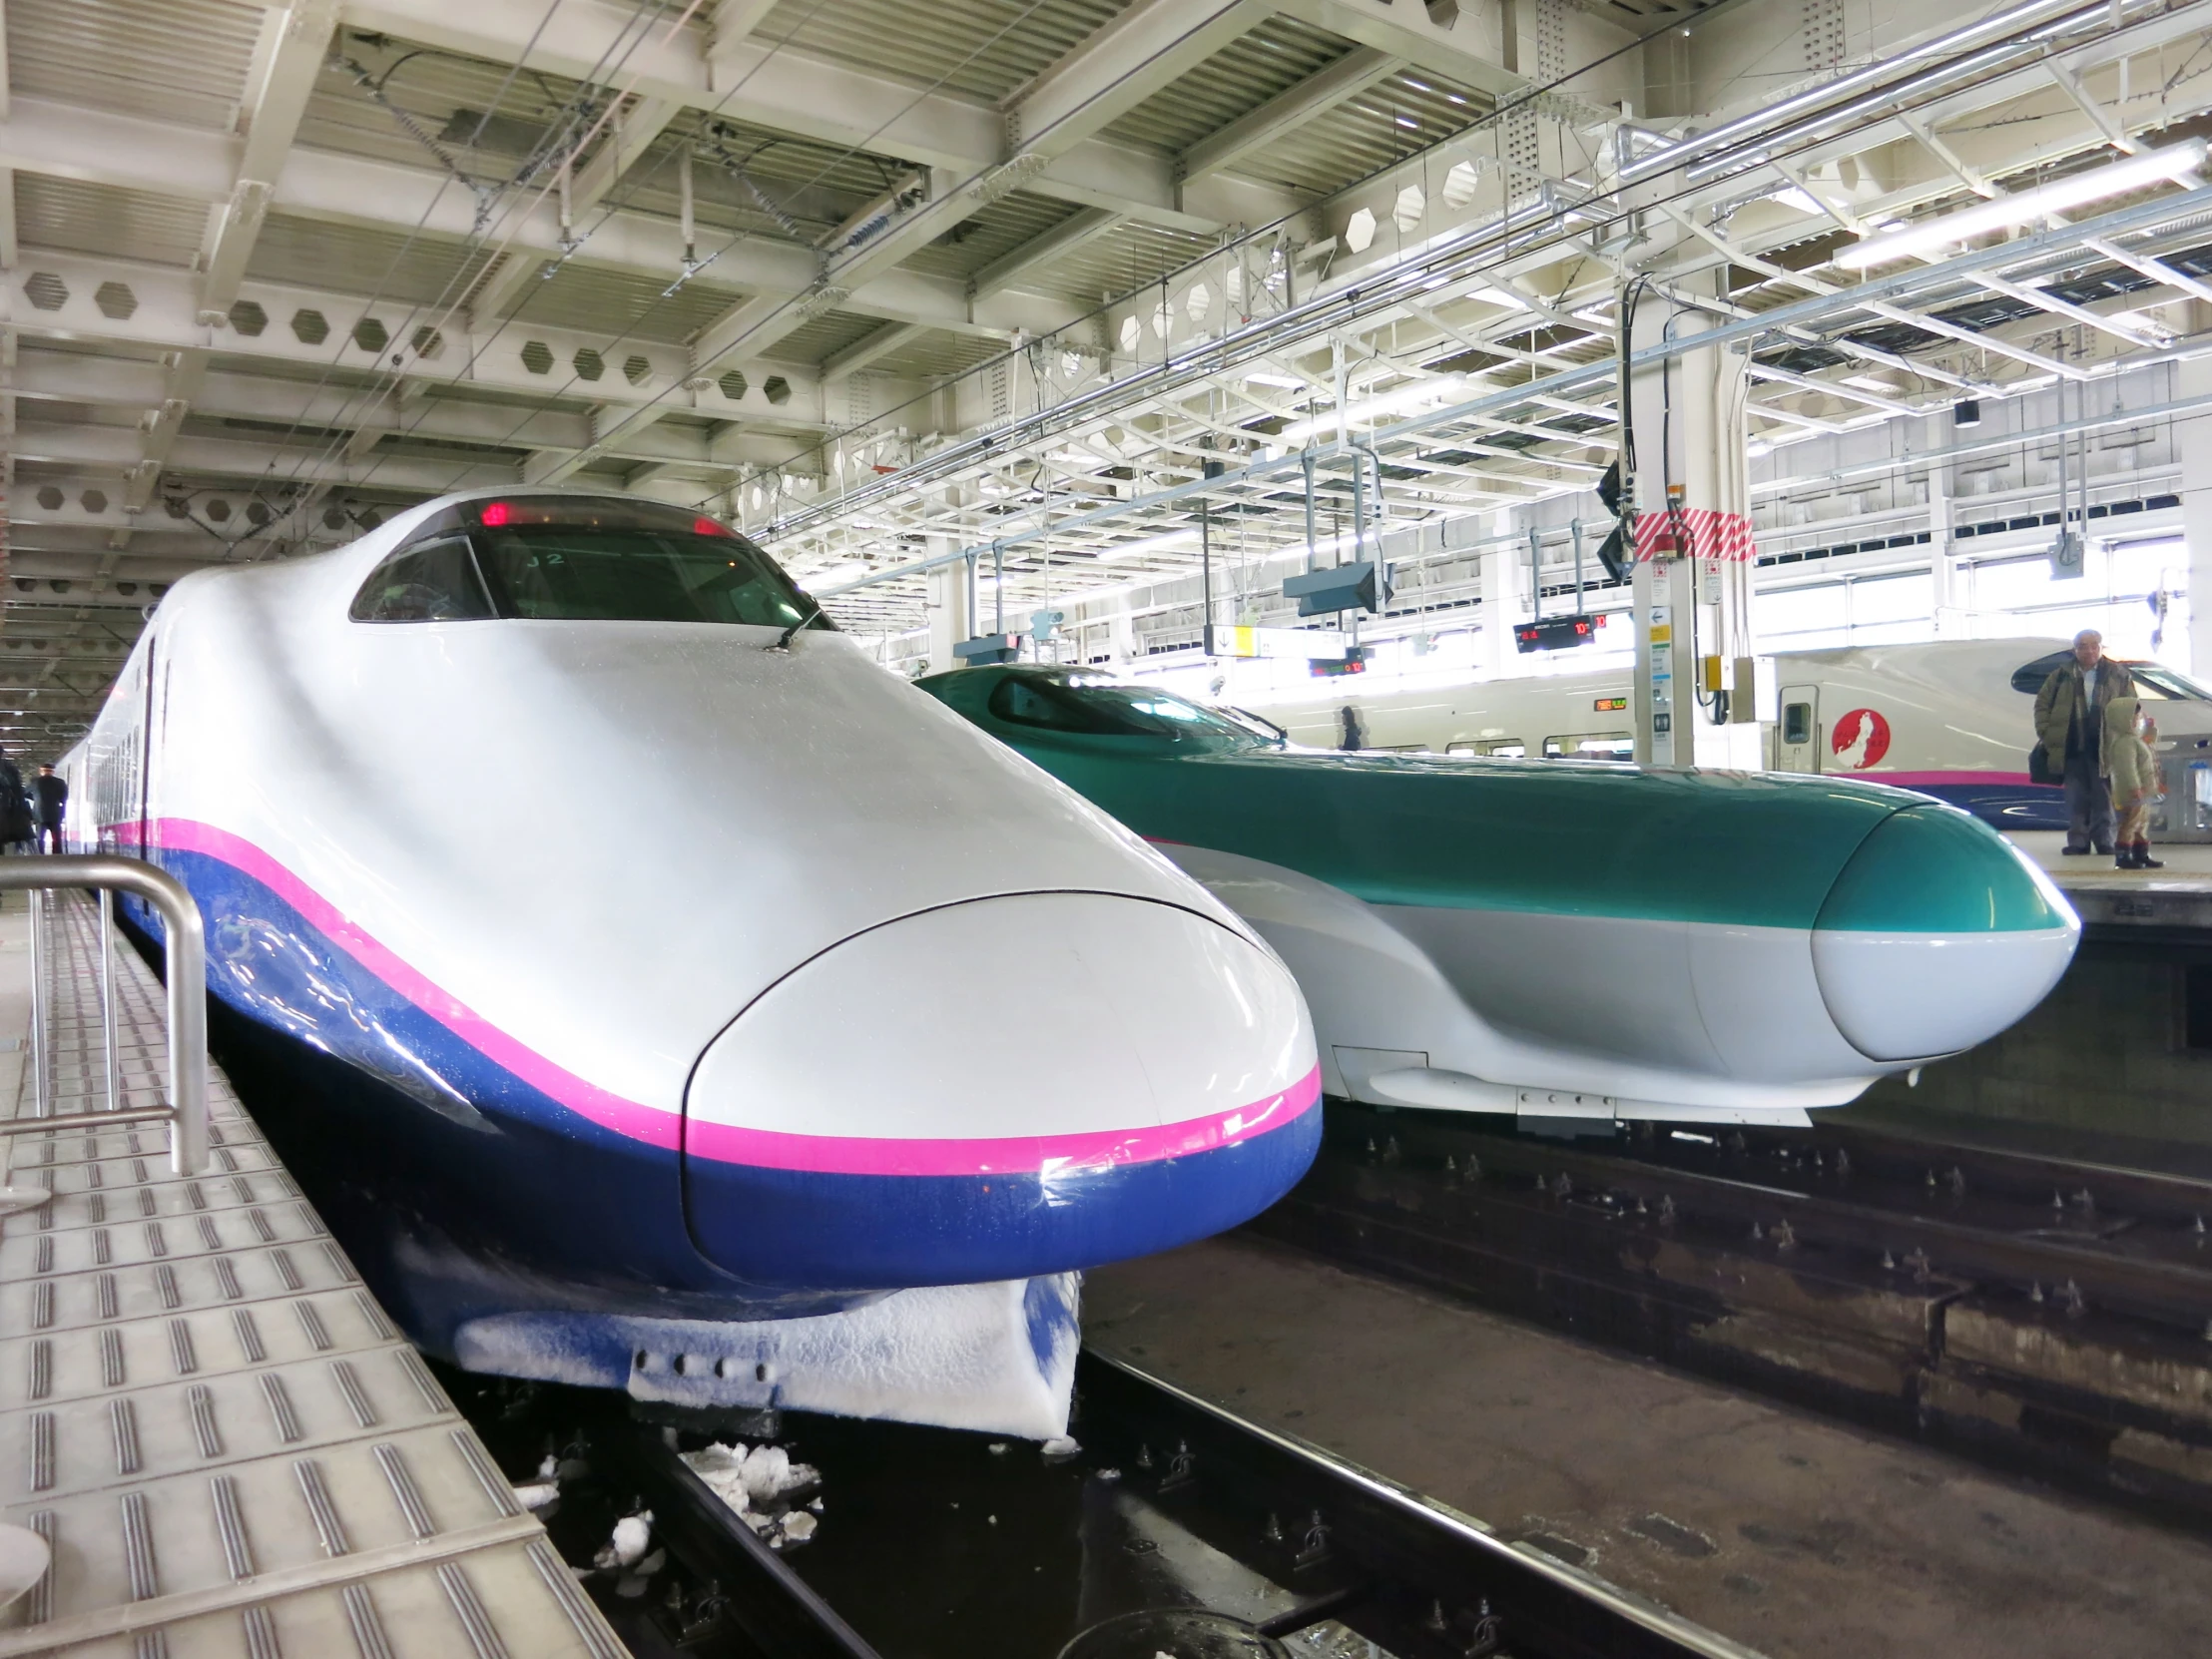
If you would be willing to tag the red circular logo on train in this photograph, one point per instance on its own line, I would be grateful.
(1861, 739)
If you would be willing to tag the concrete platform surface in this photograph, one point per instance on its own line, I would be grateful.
(1804, 1538)
(2188, 864)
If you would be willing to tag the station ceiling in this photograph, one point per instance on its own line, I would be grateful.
(881, 279)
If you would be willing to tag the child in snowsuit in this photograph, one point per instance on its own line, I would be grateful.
(2134, 773)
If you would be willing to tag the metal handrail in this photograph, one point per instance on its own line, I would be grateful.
(186, 1110)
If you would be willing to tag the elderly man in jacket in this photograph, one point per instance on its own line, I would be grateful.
(2069, 722)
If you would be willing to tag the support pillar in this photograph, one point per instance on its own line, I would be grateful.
(1505, 593)
(1692, 692)
(951, 607)
(2193, 441)
(1946, 593)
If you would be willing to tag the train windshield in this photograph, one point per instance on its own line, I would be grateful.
(2157, 683)
(581, 559)
(1107, 708)
(582, 573)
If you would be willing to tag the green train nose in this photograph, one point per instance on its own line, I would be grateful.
(1936, 934)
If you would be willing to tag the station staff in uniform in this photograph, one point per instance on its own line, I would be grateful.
(2069, 722)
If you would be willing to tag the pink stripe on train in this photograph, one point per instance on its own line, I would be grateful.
(1946, 780)
(769, 1148)
(1074, 1154)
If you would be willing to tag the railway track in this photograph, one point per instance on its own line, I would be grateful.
(2045, 1315)
(1176, 1529)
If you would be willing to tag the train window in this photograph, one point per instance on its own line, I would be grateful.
(1591, 745)
(2158, 684)
(1796, 723)
(1512, 749)
(430, 582)
(1105, 708)
(2029, 677)
(641, 573)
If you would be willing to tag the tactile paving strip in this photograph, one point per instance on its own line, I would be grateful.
(228, 1445)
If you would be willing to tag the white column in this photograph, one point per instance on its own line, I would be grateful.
(951, 594)
(2193, 438)
(1505, 598)
(1945, 592)
(1691, 606)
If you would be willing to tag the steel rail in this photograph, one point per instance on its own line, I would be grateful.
(1397, 1567)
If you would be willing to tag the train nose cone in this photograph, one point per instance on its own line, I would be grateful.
(999, 1088)
(1937, 935)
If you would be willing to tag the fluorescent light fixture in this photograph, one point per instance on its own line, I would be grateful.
(1502, 297)
(833, 575)
(1161, 543)
(1868, 383)
(2143, 323)
(2173, 160)
(1407, 120)
(1266, 377)
(1418, 396)
(1800, 200)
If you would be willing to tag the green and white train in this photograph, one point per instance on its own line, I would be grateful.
(1589, 941)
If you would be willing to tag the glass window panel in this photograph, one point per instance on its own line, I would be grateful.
(434, 582)
(582, 573)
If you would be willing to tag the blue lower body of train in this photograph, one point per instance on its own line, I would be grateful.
(2002, 800)
(462, 1191)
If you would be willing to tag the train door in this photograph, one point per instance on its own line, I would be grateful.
(1797, 739)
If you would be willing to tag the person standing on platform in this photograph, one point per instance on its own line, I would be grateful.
(2069, 722)
(16, 827)
(50, 799)
(2133, 773)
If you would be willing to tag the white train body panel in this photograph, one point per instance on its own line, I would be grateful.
(634, 970)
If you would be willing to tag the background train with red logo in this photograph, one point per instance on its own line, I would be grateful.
(1953, 718)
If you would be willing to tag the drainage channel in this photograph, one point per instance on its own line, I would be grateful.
(2044, 1316)
(1173, 1527)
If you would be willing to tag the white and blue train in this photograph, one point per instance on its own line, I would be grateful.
(1949, 718)
(631, 964)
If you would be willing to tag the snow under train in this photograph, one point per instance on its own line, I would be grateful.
(616, 945)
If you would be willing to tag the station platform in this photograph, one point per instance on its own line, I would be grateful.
(2177, 898)
(224, 1440)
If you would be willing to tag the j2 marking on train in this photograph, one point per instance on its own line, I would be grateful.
(1861, 739)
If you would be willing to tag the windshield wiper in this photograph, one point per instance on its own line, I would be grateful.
(784, 639)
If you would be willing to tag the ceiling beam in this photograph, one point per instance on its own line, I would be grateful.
(1288, 110)
(1118, 66)
(1081, 227)
(882, 342)
(765, 83)
(1412, 31)
(268, 122)
(130, 153)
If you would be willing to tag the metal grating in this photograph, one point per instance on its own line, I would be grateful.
(83, 218)
(1235, 80)
(978, 48)
(398, 270)
(620, 303)
(230, 1447)
(164, 60)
